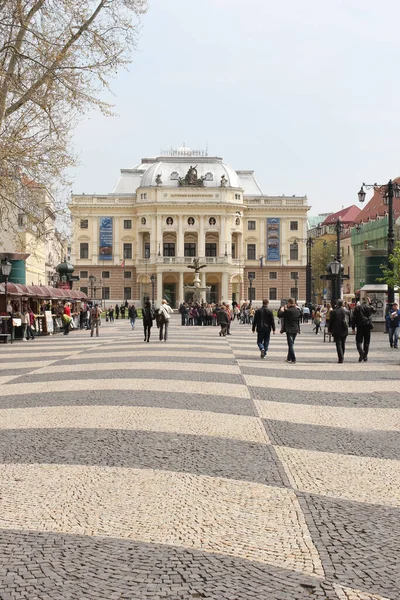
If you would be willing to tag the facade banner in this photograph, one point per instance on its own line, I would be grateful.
(106, 238)
(273, 239)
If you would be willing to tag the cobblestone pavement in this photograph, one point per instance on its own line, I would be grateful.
(194, 469)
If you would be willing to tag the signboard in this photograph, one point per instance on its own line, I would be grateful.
(106, 238)
(273, 239)
(49, 321)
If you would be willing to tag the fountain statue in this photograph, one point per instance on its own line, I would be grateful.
(199, 291)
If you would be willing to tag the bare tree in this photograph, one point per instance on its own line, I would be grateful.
(56, 57)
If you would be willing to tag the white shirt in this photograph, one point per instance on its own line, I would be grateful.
(166, 309)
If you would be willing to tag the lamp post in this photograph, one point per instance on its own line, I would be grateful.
(5, 270)
(388, 191)
(92, 279)
(296, 278)
(338, 269)
(152, 280)
(251, 278)
(309, 244)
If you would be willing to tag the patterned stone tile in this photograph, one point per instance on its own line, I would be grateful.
(379, 444)
(202, 455)
(248, 429)
(359, 544)
(328, 398)
(85, 568)
(178, 400)
(248, 521)
(356, 478)
(385, 419)
(319, 384)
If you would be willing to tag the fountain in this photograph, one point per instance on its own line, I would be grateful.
(199, 291)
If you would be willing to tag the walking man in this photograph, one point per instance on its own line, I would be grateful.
(361, 320)
(291, 321)
(338, 328)
(95, 315)
(394, 325)
(163, 319)
(264, 322)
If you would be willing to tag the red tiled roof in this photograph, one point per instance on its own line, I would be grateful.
(375, 207)
(346, 215)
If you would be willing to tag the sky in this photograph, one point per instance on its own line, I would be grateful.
(304, 92)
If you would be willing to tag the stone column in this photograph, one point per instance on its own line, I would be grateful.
(95, 241)
(180, 238)
(159, 234)
(224, 291)
(201, 249)
(153, 239)
(181, 292)
(116, 242)
(228, 237)
(159, 288)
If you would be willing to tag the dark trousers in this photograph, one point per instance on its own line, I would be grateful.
(340, 344)
(363, 338)
(164, 330)
(29, 333)
(263, 337)
(147, 330)
(290, 342)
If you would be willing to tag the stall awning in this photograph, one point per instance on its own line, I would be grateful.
(41, 291)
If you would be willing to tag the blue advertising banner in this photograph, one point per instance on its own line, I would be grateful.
(273, 239)
(106, 238)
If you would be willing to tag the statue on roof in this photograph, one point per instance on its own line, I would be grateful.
(158, 179)
(224, 181)
(191, 178)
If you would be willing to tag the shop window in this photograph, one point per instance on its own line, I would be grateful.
(190, 249)
(169, 248)
(128, 251)
(251, 252)
(294, 252)
(211, 249)
(84, 250)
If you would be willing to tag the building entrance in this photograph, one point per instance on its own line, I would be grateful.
(170, 294)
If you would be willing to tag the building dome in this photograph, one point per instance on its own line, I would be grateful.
(166, 171)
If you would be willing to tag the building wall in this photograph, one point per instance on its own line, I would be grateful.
(150, 211)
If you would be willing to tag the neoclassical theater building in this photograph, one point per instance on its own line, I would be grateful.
(184, 204)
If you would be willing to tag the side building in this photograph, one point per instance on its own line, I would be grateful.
(168, 210)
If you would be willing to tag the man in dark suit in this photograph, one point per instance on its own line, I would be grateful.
(362, 320)
(338, 328)
(291, 321)
(264, 322)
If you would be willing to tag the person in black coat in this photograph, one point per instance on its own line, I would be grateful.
(264, 322)
(290, 315)
(338, 328)
(361, 319)
(148, 318)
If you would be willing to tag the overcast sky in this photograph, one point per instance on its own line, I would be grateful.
(305, 92)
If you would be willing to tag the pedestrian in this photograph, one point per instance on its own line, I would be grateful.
(264, 322)
(361, 320)
(394, 325)
(338, 328)
(148, 318)
(122, 311)
(164, 313)
(317, 320)
(116, 311)
(66, 318)
(29, 329)
(95, 315)
(25, 320)
(290, 315)
(132, 313)
(223, 320)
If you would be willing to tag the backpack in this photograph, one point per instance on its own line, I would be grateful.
(94, 313)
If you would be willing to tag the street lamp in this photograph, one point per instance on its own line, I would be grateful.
(296, 278)
(92, 279)
(338, 260)
(388, 191)
(309, 244)
(152, 280)
(251, 277)
(5, 270)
